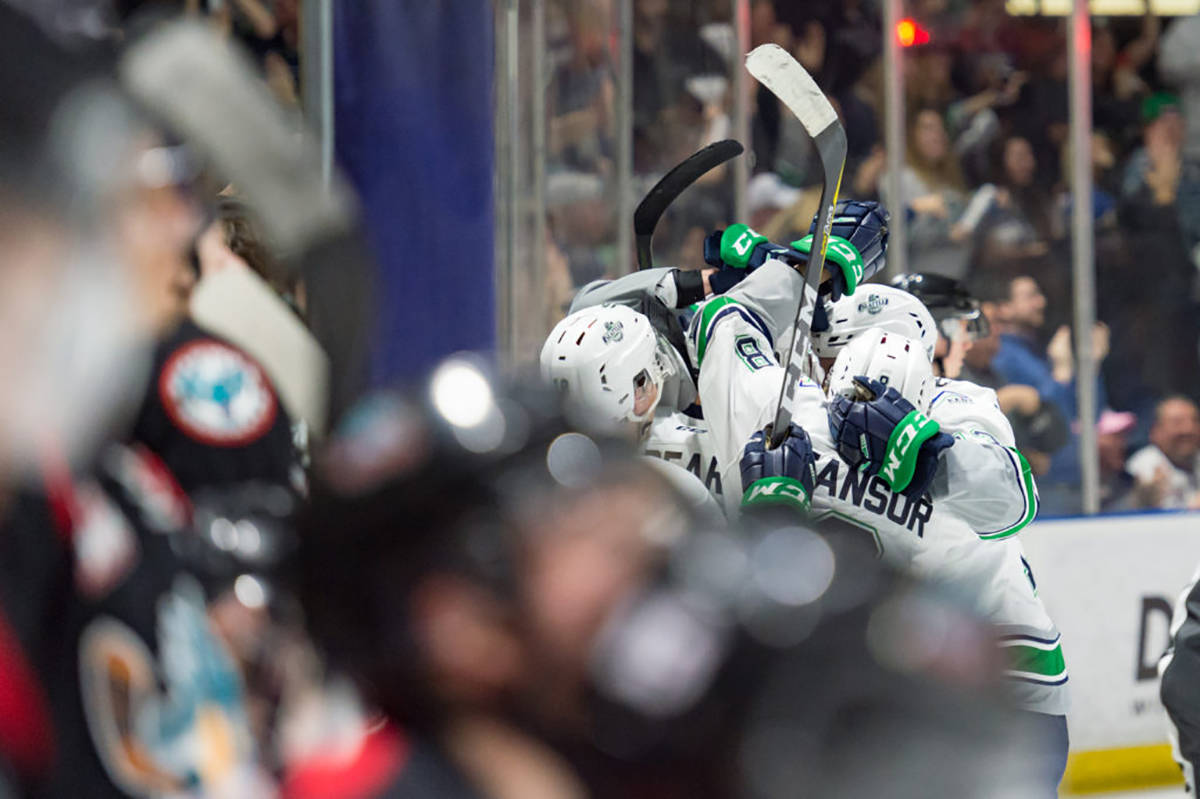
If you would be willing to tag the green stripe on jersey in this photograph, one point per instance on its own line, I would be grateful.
(1036, 662)
(706, 316)
(1031, 499)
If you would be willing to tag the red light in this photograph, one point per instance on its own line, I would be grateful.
(910, 34)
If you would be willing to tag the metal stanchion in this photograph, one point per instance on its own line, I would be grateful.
(741, 86)
(893, 80)
(1079, 50)
(537, 113)
(507, 197)
(316, 65)
(624, 134)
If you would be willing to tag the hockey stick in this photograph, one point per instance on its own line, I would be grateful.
(684, 174)
(774, 68)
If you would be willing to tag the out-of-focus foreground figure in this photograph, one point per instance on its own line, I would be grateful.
(538, 614)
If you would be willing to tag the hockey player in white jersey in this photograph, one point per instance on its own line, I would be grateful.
(614, 370)
(739, 385)
(960, 407)
(959, 317)
(676, 432)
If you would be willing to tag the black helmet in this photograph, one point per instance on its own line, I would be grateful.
(947, 299)
(426, 481)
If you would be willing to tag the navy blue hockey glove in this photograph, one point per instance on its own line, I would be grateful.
(880, 432)
(725, 278)
(741, 247)
(858, 240)
(784, 476)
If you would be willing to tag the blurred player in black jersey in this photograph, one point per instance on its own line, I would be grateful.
(539, 614)
(124, 671)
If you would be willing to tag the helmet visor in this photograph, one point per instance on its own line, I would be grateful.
(976, 327)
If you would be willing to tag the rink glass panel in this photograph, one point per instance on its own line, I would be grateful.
(590, 113)
(983, 186)
(986, 191)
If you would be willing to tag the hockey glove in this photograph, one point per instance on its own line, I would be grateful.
(740, 247)
(881, 433)
(864, 227)
(725, 278)
(783, 476)
(843, 255)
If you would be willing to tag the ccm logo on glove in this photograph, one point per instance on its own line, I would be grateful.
(906, 433)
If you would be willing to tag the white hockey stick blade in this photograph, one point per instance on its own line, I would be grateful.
(775, 68)
(784, 77)
(236, 303)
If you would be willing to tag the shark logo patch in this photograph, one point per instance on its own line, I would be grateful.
(217, 395)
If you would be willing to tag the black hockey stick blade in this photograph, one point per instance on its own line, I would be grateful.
(775, 68)
(684, 174)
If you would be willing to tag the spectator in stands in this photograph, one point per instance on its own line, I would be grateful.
(581, 96)
(1021, 313)
(1151, 177)
(1150, 229)
(679, 83)
(974, 121)
(1039, 427)
(778, 211)
(1117, 87)
(932, 188)
(1179, 65)
(1168, 465)
(928, 84)
(1117, 485)
(1104, 202)
(1020, 219)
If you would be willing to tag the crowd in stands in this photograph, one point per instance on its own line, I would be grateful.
(985, 190)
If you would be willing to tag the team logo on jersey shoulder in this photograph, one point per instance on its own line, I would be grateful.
(613, 331)
(217, 395)
(874, 304)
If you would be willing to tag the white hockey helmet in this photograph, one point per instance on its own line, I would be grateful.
(603, 359)
(871, 306)
(896, 361)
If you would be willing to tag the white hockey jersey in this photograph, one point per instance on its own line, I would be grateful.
(983, 490)
(684, 440)
(705, 508)
(996, 578)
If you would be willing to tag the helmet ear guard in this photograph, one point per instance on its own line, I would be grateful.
(892, 359)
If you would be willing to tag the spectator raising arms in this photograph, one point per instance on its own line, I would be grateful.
(1179, 64)
(1021, 312)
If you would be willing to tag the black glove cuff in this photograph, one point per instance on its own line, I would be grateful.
(689, 287)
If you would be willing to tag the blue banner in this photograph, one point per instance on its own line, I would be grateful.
(413, 105)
